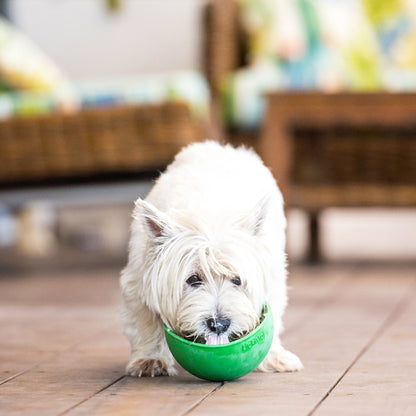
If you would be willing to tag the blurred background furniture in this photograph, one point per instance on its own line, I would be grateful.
(42, 154)
(254, 47)
(224, 51)
(341, 150)
(94, 143)
(54, 127)
(70, 114)
(95, 128)
(351, 142)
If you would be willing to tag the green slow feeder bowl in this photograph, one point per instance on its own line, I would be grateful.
(227, 361)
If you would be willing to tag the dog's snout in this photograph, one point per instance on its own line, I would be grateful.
(218, 325)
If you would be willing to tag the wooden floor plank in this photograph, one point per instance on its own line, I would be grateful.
(328, 343)
(51, 327)
(42, 315)
(53, 386)
(54, 344)
(77, 367)
(132, 396)
(95, 288)
(148, 396)
(383, 381)
(309, 288)
(75, 375)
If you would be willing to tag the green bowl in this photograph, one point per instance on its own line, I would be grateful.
(227, 361)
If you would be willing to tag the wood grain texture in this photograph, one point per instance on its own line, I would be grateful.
(43, 315)
(328, 343)
(149, 396)
(62, 351)
(183, 393)
(382, 381)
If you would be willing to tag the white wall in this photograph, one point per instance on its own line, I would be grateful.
(87, 41)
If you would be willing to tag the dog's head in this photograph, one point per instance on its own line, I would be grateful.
(210, 284)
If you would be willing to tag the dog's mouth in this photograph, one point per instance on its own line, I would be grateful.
(214, 339)
(208, 339)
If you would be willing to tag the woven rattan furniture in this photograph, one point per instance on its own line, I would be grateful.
(225, 50)
(94, 142)
(325, 150)
(224, 41)
(341, 150)
(113, 144)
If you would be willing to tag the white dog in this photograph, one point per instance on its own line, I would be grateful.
(206, 252)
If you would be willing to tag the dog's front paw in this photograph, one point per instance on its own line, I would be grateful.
(280, 360)
(149, 368)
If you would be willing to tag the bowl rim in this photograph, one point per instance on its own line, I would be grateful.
(266, 310)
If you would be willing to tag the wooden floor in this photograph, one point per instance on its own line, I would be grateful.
(62, 351)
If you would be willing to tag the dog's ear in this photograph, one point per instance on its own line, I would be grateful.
(157, 224)
(254, 221)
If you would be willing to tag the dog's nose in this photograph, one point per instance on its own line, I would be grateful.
(218, 325)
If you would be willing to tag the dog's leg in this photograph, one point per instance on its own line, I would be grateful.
(281, 360)
(150, 355)
(278, 358)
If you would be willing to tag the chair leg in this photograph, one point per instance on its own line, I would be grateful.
(314, 249)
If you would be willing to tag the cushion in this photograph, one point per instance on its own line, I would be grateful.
(23, 66)
(187, 86)
(326, 45)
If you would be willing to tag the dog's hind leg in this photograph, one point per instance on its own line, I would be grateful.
(281, 360)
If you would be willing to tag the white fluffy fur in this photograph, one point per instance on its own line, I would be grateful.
(215, 212)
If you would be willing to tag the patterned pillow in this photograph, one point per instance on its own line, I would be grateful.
(335, 44)
(23, 66)
(322, 44)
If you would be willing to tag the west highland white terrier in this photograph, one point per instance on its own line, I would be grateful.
(206, 252)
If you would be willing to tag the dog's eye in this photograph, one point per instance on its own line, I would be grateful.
(236, 280)
(194, 280)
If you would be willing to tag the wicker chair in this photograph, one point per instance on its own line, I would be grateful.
(94, 142)
(225, 47)
(325, 150)
(114, 143)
